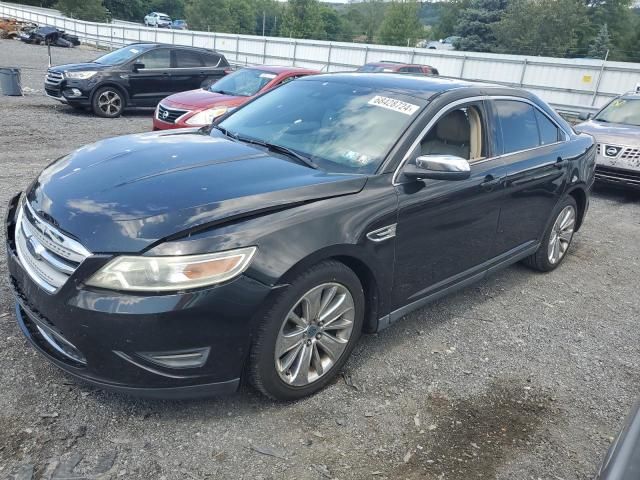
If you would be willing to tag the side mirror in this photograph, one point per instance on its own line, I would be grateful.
(438, 167)
(138, 66)
(585, 116)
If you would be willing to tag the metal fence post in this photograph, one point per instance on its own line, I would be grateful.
(193, 36)
(237, 48)
(329, 57)
(595, 91)
(264, 50)
(524, 69)
(464, 60)
(295, 47)
(413, 56)
(214, 40)
(366, 54)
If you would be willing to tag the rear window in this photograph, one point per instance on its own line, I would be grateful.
(214, 60)
(519, 125)
(187, 59)
(164, 17)
(373, 69)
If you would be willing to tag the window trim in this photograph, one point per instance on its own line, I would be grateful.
(462, 101)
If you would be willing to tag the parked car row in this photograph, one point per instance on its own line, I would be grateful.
(162, 20)
(191, 87)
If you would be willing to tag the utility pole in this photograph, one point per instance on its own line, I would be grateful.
(264, 20)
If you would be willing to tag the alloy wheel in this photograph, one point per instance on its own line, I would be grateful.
(110, 102)
(561, 234)
(314, 334)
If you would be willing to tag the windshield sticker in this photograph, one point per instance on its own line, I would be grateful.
(267, 75)
(134, 50)
(393, 104)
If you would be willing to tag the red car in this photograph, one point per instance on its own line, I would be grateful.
(198, 108)
(397, 67)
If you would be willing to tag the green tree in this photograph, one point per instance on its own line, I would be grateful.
(173, 8)
(91, 10)
(449, 16)
(475, 25)
(243, 16)
(366, 18)
(618, 16)
(209, 15)
(131, 10)
(335, 26)
(540, 27)
(601, 44)
(272, 13)
(303, 19)
(401, 25)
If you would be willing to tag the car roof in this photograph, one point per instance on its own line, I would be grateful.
(281, 69)
(149, 46)
(396, 64)
(417, 86)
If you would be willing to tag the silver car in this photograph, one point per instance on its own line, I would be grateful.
(616, 129)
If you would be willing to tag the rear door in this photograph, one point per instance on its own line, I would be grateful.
(148, 85)
(187, 70)
(533, 150)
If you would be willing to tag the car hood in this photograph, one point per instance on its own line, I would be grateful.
(126, 193)
(202, 98)
(611, 133)
(78, 67)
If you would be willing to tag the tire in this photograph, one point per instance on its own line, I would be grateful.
(285, 338)
(557, 238)
(108, 102)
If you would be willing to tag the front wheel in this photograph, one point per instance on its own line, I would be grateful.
(308, 332)
(557, 238)
(108, 102)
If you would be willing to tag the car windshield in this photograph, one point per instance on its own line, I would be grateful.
(621, 110)
(119, 56)
(244, 83)
(373, 69)
(341, 127)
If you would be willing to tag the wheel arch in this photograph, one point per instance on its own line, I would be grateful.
(579, 194)
(352, 257)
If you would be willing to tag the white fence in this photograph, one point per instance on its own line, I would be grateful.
(568, 84)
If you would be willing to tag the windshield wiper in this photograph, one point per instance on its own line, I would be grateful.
(280, 149)
(225, 131)
(223, 92)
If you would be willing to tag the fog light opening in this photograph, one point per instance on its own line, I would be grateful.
(193, 358)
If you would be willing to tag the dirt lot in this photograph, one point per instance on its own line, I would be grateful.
(525, 376)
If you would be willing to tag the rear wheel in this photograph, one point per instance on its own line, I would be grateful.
(557, 239)
(308, 333)
(108, 102)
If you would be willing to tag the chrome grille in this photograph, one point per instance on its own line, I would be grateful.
(631, 154)
(169, 115)
(48, 256)
(53, 78)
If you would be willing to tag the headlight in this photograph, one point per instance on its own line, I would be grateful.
(139, 273)
(80, 75)
(207, 116)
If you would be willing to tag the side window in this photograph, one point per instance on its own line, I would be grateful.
(156, 58)
(549, 133)
(518, 124)
(212, 60)
(414, 69)
(187, 59)
(459, 132)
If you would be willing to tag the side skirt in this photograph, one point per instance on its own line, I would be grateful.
(462, 280)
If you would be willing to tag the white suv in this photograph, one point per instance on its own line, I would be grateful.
(155, 19)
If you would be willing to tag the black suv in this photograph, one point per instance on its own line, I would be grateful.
(138, 75)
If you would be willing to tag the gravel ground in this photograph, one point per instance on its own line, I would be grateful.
(524, 376)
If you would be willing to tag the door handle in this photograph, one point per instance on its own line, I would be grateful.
(490, 182)
(560, 163)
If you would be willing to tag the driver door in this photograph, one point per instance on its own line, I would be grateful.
(152, 83)
(446, 228)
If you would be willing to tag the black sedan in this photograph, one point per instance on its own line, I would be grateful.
(138, 75)
(176, 264)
